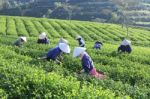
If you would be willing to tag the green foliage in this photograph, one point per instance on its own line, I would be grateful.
(3, 25)
(21, 28)
(30, 28)
(3, 94)
(55, 28)
(11, 27)
(23, 76)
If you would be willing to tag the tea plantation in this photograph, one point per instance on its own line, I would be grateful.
(23, 76)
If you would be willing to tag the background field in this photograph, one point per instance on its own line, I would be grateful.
(31, 27)
(22, 76)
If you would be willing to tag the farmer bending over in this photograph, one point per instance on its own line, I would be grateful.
(43, 39)
(98, 45)
(80, 41)
(54, 53)
(125, 46)
(87, 63)
(19, 42)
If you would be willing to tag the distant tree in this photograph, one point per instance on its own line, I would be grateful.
(68, 8)
(114, 18)
(99, 20)
(5, 4)
(1, 4)
(122, 6)
(57, 4)
(48, 14)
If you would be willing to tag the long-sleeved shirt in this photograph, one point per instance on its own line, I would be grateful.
(124, 48)
(43, 41)
(53, 53)
(18, 42)
(87, 63)
(98, 45)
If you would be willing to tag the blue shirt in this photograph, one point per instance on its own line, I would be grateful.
(43, 41)
(87, 63)
(53, 53)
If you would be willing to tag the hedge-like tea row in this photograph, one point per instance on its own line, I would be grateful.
(127, 74)
(90, 31)
(19, 80)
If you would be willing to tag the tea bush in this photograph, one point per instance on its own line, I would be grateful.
(23, 76)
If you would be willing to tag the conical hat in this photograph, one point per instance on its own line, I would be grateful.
(78, 50)
(64, 47)
(126, 42)
(42, 35)
(24, 38)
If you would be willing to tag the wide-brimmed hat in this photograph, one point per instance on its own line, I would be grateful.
(64, 47)
(24, 39)
(78, 50)
(42, 35)
(126, 42)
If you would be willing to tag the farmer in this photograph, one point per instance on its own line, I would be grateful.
(125, 46)
(43, 39)
(81, 41)
(98, 45)
(87, 63)
(19, 42)
(56, 52)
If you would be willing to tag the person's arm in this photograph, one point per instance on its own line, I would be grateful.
(57, 61)
(82, 71)
(119, 49)
(41, 58)
(61, 57)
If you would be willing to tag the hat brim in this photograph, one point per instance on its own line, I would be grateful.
(64, 48)
(78, 51)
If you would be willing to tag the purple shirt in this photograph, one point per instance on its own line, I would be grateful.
(97, 45)
(53, 53)
(87, 63)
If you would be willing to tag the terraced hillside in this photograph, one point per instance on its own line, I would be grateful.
(21, 26)
(138, 11)
(23, 76)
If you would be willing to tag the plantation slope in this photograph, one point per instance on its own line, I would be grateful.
(90, 31)
(128, 75)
